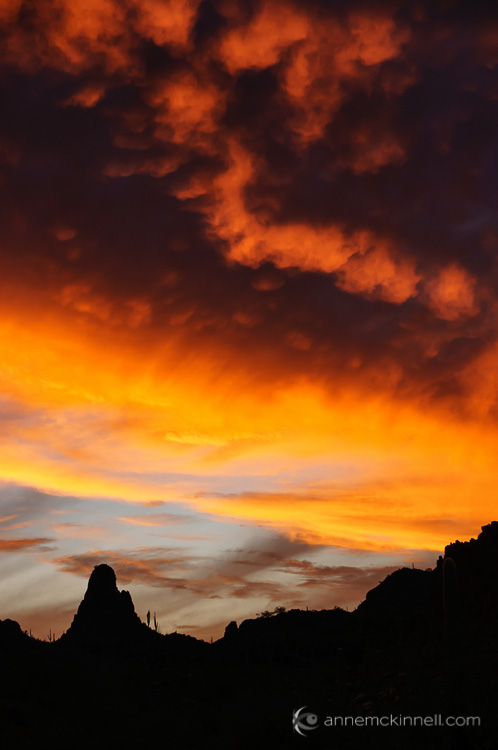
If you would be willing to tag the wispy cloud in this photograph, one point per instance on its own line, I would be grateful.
(34, 544)
(157, 519)
(253, 572)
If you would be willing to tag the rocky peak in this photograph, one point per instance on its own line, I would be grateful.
(102, 584)
(105, 614)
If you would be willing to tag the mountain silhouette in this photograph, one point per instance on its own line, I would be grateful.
(404, 593)
(105, 615)
(422, 643)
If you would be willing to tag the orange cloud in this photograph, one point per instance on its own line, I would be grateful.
(9, 10)
(452, 294)
(382, 517)
(375, 38)
(20, 545)
(316, 54)
(115, 404)
(166, 22)
(372, 151)
(376, 273)
(158, 520)
(87, 96)
(261, 42)
(187, 108)
(77, 35)
(330, 54)
(252, 240)
(151, 566)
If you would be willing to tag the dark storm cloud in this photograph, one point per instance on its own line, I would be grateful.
(116, 138)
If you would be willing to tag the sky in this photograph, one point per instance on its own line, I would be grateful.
(248, 300)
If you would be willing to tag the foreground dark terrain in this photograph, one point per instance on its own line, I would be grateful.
(423, 643)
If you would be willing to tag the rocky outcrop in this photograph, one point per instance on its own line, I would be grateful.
(105, 615)
(405, 593)
(476, 564)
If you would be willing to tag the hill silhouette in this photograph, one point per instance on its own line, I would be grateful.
(422, 643)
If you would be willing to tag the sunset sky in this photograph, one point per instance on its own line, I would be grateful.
(248, 299)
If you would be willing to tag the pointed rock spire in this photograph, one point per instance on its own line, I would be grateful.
(106, 614)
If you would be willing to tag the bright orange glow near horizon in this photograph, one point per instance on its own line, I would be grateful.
(114, 399)
(248, 273)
